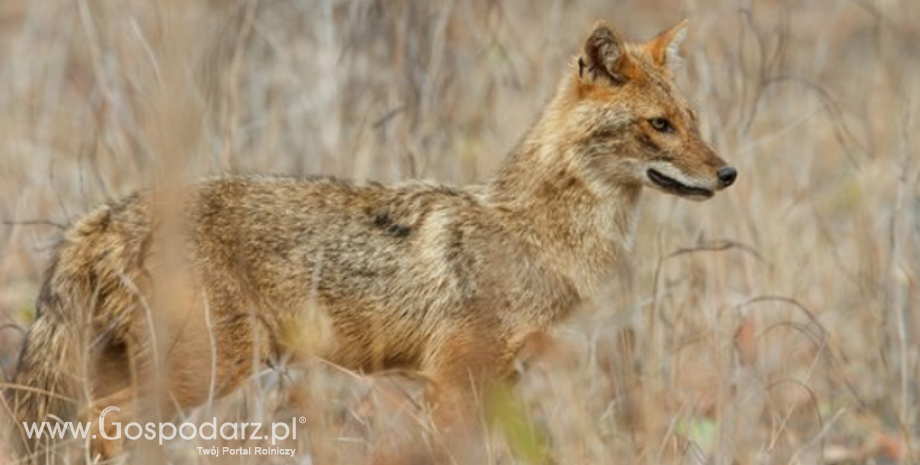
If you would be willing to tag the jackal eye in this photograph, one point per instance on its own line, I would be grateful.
(661, 125)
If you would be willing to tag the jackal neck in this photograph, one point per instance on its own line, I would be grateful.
(576, 229)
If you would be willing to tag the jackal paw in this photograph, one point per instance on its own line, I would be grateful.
(106, 439)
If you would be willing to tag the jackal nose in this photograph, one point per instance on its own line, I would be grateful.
(727, 175)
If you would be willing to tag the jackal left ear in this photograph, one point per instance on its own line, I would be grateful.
(605, 56)
(665, 48)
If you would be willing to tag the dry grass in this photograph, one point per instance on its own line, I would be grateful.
(778, 323)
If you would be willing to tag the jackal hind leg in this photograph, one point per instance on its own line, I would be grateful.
(178, 365)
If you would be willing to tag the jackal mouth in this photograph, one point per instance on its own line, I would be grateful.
(676, 187)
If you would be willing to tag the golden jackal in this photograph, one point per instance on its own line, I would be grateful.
(450, 281)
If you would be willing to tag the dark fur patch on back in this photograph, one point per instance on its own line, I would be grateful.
(385, 221)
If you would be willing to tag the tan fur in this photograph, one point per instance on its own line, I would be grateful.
(448, 281)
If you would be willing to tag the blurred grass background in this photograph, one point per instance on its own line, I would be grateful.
(777, 323)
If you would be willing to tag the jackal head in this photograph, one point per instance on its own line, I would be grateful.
(629, 122)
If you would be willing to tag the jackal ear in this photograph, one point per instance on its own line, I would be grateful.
(665, 48)
(605, 56)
